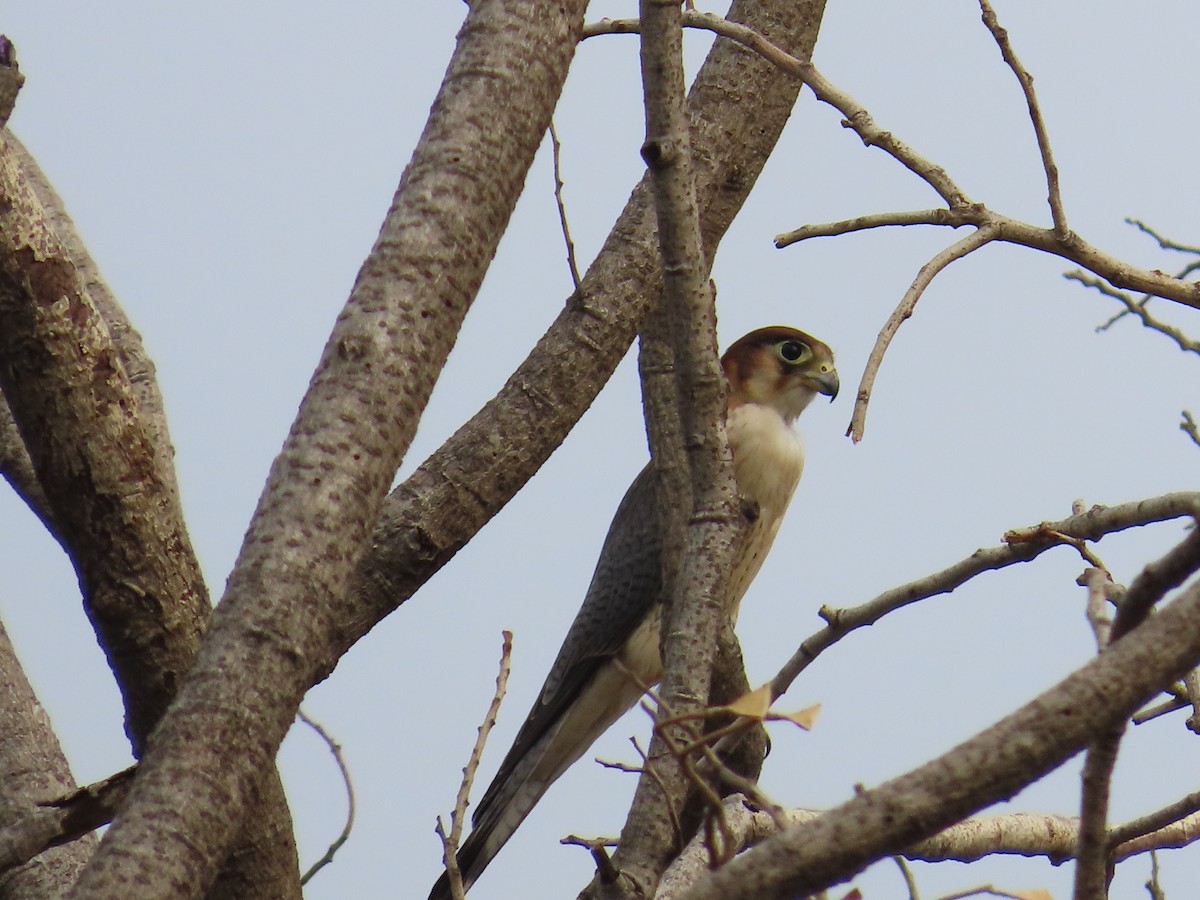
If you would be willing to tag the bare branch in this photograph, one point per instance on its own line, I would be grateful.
(270, 635)
(1125, 835)
(910, 881)
(336, 749)
(1097, 581)
(685, 404)
(1092, 866)
(856, 115)
(451, 841)
(865, 223)
(65, 819)
(1054, 196)
(556, 149)
(1136, 308)
(1188, 427)
(904, 310)
(1163, 242)
(1021, 545)
(1072, 248)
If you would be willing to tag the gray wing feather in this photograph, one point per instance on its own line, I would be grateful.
(624, 588)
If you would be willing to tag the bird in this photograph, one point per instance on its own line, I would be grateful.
(611, 651)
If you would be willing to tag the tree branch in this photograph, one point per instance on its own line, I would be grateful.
(1021, 545)
(1053, 194)
(429, 517)
(696, 490)
(326, 487)
(87, 408)
(986, 768)
(1021, 834)
(903, 311)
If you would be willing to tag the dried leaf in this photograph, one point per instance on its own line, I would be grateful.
(1035, 894)
(754, 704)
(805, 718)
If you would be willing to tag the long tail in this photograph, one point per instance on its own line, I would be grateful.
(495, 823)
(521, 783)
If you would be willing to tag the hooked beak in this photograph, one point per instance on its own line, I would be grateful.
(827, 383)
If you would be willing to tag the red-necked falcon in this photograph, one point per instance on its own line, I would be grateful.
(772, 375)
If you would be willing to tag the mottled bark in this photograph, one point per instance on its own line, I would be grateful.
(325, 489)
(86, 410)
(739, 106)
(33, 770)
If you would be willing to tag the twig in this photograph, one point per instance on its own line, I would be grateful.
(1097, 581)
(1155, 821)
(450, 841)
(336, 749)
(984, 890)
(1158, 577)
(1054, 196)
(1021, 545)
(1136, 308)
(1164, 243)
(1178, 698)
(1191, 683)
(556, 149)
(904, 310)
(1152, 886)
(910, 882)
(598, 848)
(1188, 427)
(856, 115)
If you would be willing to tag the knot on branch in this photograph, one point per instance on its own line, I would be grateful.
(659, 154)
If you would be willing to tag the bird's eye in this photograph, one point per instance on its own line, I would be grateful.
(791, 351)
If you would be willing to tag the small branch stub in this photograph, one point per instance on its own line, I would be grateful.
(659, 155)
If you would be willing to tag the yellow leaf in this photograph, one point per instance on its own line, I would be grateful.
(805, 718)
(754, 704)
(1035, 894)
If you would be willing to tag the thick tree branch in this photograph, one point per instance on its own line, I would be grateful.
(325, 489)
(33, 770)
(1019, 834)
(116, 510)
(696, 491)
(1093, 869)
(739, 106)
(84, 399)
(986, 768)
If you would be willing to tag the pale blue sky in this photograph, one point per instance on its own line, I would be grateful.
(229, 166)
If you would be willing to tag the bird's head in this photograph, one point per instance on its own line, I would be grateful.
(780, 368)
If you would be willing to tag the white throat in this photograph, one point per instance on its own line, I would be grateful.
(768, 458)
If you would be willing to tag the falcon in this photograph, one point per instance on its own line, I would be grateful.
(612, 647)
